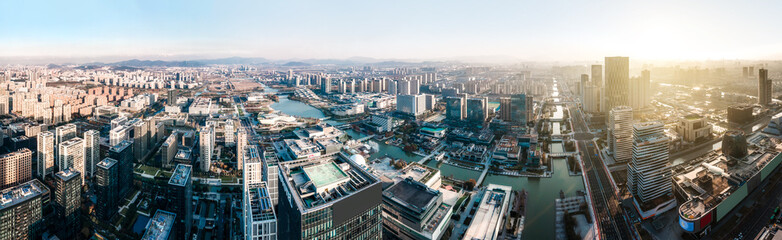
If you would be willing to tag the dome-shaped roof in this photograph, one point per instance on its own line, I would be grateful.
(358, 159)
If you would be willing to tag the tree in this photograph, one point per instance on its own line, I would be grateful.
(469, 184)
(399, 164)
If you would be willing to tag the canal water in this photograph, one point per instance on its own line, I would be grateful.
(541, 191)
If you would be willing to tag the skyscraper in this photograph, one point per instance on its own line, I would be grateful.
(648, 175)
(206, 145)
(617, 74)
(71, 155)
(91, 151)
(640, 93)
(516, 109)
(597, 82)
(67, 201)
(180, 195)
(106, 188)
(172, 96)
(65, 133)
(765, 89)
(241, 143)
(620, 133)
(15, 168)
(325, 85)
(123, 153)
(21, 214)
(140, 139)
(45, 153)
(260, 222)
(477, 110)
(271, 178)
(334, 199)
(455, 108)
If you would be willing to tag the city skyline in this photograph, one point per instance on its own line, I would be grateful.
(484, 32)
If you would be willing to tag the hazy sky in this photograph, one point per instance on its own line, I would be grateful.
(525, 30)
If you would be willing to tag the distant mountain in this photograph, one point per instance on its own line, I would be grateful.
(296, 64)
(157, 63)
(234, 60)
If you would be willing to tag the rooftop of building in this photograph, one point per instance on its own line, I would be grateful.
(22, 192)
(19, 152)
(323, 175)
(107, 163)
(72, 142)
(316, 184)
(181, 175)
(121, 146)
(414, 170)
(412, 194)
(692, 116)
(260, 204)
(710, 179)
(66, 175)
(252, 154)
(159, 227)
(489, 213)
(301, 146)
(183, 153)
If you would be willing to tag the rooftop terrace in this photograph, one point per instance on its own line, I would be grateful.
(159, 227)
(22, 192)
(181, 175)
(317, 184)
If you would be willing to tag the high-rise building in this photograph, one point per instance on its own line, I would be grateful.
(172, 96)
(765, 89)
(415, 86)
(272, 175)
(106, 188)
(477, 109)
(640, 92)
(123, 153)
(597, 75)
(325, 85)
(65, 133)
(16, 167)
(21, 214)
(241, 143)
(162, 225)
(334, 199)
(581, 85)
(455, 108)
(206, 145)
(46, 153)
(168, 150)
(140, 139)
(403, 87)
(180, 195)
(516, 109)
(71, 155)
(67, 201)
(411, 104)
(648, 175)
(260, 222)
(617, 75)
(253, 165)
(391, 87)
(620, 133)
(91, 151)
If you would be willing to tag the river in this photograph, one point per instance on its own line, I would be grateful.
(541, 191)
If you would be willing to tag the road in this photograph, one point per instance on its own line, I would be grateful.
(611, 220)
